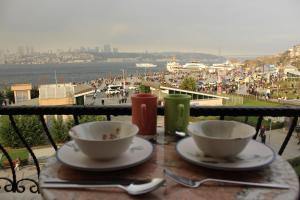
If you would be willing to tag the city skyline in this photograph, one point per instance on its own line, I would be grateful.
(217, 27)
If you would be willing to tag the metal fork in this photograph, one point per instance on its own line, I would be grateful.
(196, 183)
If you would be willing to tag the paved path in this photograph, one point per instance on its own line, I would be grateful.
(276, 137)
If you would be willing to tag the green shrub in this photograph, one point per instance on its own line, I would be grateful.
(30, 128)
(144, 89)
(59, 128)
(59, 131)
(91, 118)
(188, 83)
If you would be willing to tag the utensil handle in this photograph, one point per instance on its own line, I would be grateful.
(268, 185)
(82, 186)
(97, 182)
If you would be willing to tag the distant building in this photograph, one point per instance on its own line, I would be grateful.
(81, 91)
(289, 68)
(291, 72)
(64, 94)
(106, 48)
(293, 75)
(268, 68)
(31, 50)
(56, 94)
(82, 49)
(21, 51)
(21, 92)
(115, 50)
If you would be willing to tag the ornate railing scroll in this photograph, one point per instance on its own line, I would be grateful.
(10, 185)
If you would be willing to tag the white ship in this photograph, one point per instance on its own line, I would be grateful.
(194, 65)
(174, 66)
(145, 65)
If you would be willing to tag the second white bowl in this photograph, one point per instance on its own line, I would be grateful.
(221, 138)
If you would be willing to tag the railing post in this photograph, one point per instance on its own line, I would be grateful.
(47, 132)
(76, 120)
(288, 136)
(258, 125)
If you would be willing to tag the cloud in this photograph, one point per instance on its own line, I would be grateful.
(264, 26)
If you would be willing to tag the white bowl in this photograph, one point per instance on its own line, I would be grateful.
(221, 138)
(103, 139)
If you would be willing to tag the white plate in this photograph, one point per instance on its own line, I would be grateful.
(255, 156)
(139, 151)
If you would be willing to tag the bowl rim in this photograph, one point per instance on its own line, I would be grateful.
(253, 132)
(135, 132)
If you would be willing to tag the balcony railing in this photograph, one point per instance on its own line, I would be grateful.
(14, 185)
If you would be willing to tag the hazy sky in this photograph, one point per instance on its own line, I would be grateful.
(240, 27)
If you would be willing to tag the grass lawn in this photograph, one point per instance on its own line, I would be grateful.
(195, 119)
(251, 120)
(22, 154)
(252, 102)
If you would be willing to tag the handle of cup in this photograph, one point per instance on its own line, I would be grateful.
(143, 115)
(180, 110)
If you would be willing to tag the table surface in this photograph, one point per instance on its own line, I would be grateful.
(165, 156)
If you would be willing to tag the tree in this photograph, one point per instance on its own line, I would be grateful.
(91, 118)
(29, 126)
(144, 89)
(9, 94)
(188, 83)
(2, 97)
(60, 129)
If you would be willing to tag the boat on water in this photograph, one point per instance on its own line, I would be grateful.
(145, 65)
(173, 66)
(194, 65)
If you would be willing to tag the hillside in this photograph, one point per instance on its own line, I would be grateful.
(291, 56)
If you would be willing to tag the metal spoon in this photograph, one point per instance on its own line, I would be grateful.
(133, 189)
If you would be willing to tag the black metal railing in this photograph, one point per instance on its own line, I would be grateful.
(14, 185)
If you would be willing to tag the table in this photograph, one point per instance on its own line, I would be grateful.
(165, 156)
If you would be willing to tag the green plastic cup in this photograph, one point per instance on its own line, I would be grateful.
(177, 112)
